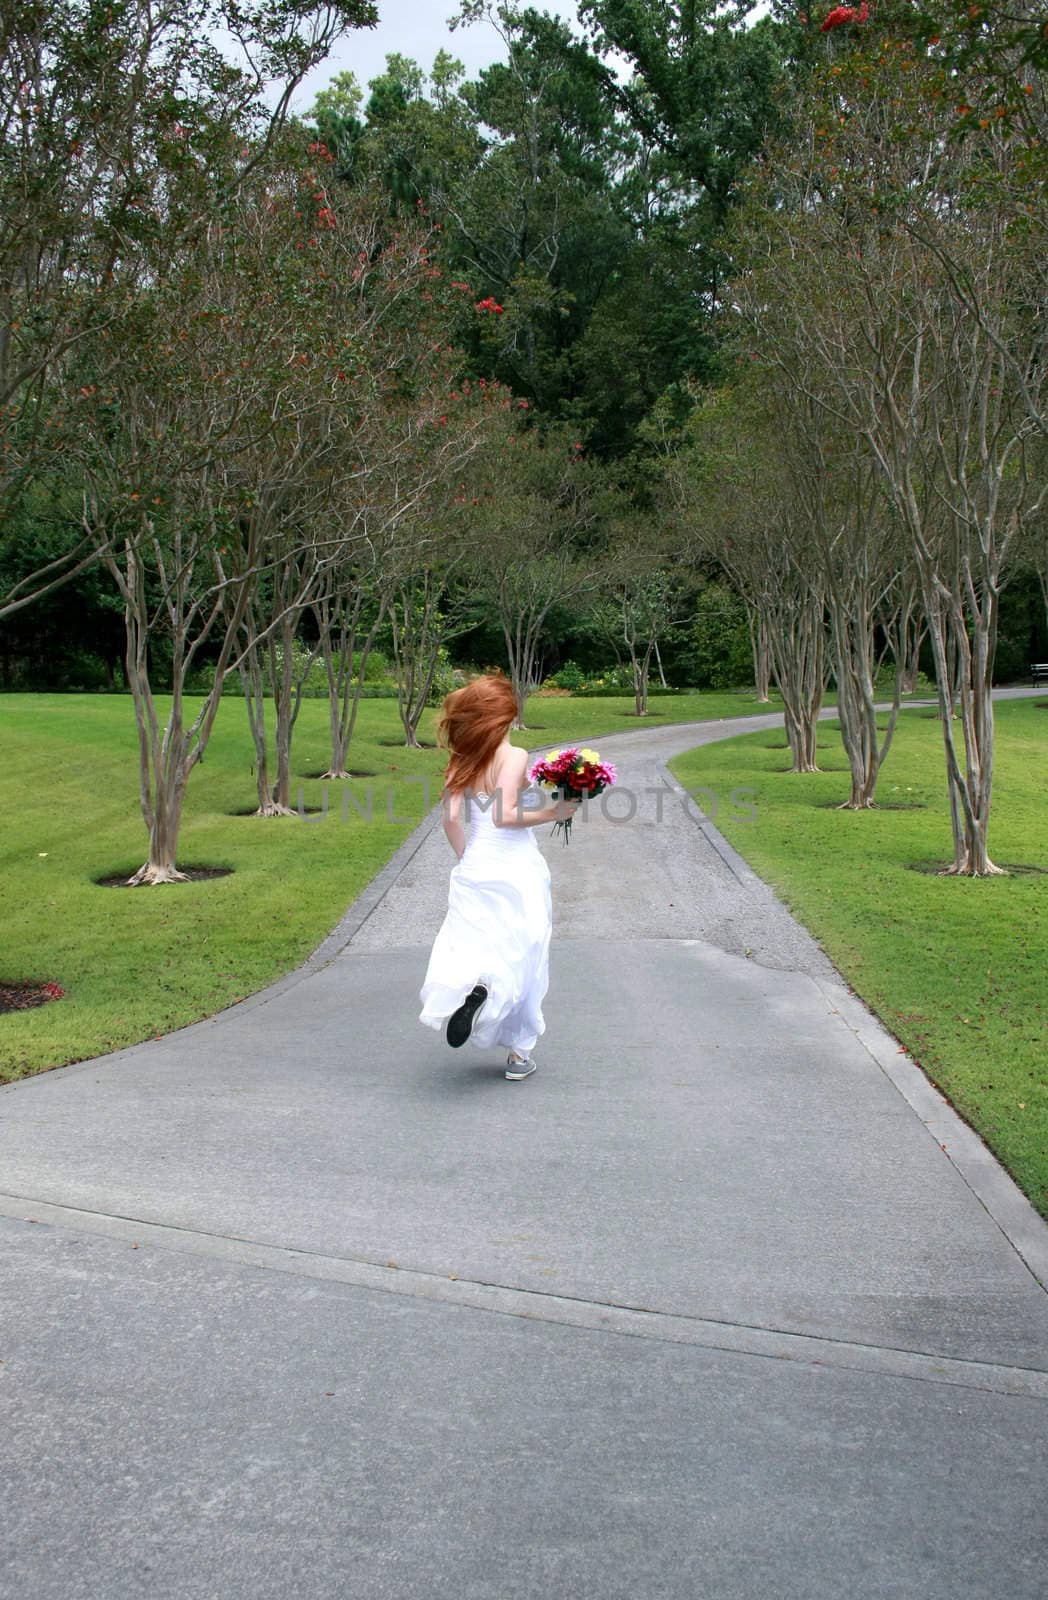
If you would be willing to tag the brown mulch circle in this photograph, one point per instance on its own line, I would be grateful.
(354, 772)
(118, 880)
(22, 994)
(937, 869)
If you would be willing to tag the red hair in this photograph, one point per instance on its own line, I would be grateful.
(473, 723)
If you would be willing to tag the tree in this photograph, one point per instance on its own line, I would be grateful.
(111, 114)
(856, 267)
(647, 591)
(539, 529)
(739, 505)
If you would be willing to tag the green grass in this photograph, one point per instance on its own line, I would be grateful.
(956, 968)
(136, 963)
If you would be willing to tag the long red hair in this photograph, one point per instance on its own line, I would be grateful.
(473, 723)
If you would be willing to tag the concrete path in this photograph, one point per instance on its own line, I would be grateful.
(724, 1302)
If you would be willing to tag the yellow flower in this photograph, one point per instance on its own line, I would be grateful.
(554, 755)
(589, 755)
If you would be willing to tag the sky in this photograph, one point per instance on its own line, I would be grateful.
(415, 28)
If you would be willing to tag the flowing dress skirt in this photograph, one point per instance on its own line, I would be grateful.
(496, 932)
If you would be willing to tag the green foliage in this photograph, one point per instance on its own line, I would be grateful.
(310, 673)
(715, 652)
(570, 676)
(444, 678)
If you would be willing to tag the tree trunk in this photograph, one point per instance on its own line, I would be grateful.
(285, 708)
(253, 680)
(964, 666)
(761, 656)
(797, 651)
(169, 787)
(641, 674)
(855, 669)
(344, 687)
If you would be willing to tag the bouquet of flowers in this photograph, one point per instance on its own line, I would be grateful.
(573, 774)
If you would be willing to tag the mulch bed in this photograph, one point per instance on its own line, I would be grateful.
(296, 811)
(358, 772)
(1017, 869)
(118, 880)
(23, 994)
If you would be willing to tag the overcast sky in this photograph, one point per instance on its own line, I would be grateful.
(415, 28)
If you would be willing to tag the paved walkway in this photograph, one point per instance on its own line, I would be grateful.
(724, 1302)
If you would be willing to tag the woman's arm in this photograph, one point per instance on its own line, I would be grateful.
(507, 801)
(456, 833)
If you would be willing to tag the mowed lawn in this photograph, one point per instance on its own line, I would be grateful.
(136, 963)
(956, 968)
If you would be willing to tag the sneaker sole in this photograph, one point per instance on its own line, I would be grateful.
(460, 1023)
(515, 1077)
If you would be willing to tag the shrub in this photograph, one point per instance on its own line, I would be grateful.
(445, 678)
(570, 676)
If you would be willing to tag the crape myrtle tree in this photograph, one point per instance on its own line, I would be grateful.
(647, 588)
(858, 562)
(196, 439)
(105, 106)
(989, 62)
(383, 431)
(429, 607)
(389, 512)
(857, 230)
(738, 503)
(540, 523)
(250, 392)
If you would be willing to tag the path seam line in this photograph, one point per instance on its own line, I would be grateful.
(539, 1306)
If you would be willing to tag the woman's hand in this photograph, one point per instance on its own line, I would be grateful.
(565, 810)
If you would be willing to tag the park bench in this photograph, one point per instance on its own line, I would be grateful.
(1038, 672)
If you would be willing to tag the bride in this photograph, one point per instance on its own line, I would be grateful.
(489, 968)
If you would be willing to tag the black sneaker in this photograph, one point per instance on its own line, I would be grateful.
(460, 1022)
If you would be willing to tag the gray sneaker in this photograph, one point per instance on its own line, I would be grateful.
(519, 1066)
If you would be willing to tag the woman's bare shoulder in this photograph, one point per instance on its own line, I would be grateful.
(510, 765)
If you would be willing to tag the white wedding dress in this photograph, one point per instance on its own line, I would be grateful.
(496, 932)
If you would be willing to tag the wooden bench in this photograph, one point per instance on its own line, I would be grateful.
(1038, 672)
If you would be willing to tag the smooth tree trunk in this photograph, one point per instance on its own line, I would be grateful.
(797, 649)
(253, 682)
(963, 646)
(168, 752)
(264, 667)
(761, 655)
(419, 629)
(641, 664)
(851, 601)
(854, 671)
(289, 686)
(341, 629)
(523, 657)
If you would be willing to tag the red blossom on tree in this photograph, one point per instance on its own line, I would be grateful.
(490, 304)
(842, 14)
